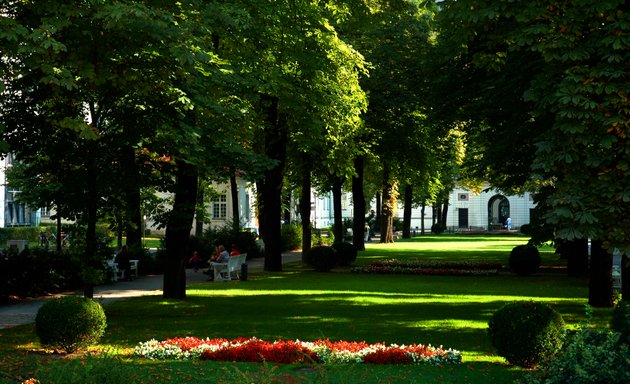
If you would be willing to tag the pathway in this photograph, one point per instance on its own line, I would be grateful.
(24, 313)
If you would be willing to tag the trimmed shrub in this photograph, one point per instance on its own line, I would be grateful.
(438, 228)
(621, 321)
(524, 259)
(346, 253)
(322, 258)
(70, 323)
(526, 229)
(589, 356)
(291, 237)
(526, 333)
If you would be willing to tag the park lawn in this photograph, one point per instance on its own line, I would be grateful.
(494, 248)
(301, 304)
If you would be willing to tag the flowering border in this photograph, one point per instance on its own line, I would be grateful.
(425, 267)
(289, 352)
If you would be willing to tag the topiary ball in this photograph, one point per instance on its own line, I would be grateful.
(524, 259)
(322, 258)
(438, 228)
(70, 323)
(526, 333)
(621, 320)
(346, 253)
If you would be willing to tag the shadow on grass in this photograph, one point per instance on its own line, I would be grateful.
(390, 317)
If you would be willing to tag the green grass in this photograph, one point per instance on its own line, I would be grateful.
(298, 303)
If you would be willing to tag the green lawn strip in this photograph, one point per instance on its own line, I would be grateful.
(300, 304)
(454, 248)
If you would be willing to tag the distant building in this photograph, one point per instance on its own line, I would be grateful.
(487, 210)
(13, 213)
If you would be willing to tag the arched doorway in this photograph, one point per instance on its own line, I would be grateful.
(498, 211)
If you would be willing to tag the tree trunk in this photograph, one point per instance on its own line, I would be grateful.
(58, 240)
(338, 220)
(576, 253)
(131, 190)
(438, 213)
(600, 284)
(444, 211)
(90, 234)
(422, 216)
(625, 277)
(236, 214)
(286, 211)
(270, 196)
(406, 234)
(358, 198)
(389, 201)
(178, 231)
(200, 209)
(379, 209)
(305, 205)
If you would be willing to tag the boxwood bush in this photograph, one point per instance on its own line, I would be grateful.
(526, 333)
(346, 253)
(524, 259)
(322, 258)
(70, 323)
(291, 237)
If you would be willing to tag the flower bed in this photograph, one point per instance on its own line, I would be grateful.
(288, 351)
(423, 267)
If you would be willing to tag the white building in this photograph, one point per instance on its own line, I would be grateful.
(13, 213)
(487, 210)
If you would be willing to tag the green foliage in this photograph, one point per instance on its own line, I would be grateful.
(346, 253)
(621, 320)
(322, 258)
(20, 233)
(322, 237)
(526, 333)
(556, 71)
(70, 323)
(590, 356)
(291, 237)
(438, 228)
(524, 259)
(23, 275)
(226, 235)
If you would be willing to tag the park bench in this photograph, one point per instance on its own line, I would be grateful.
(118, 274)
(233, 266)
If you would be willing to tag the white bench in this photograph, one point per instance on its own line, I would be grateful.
(119, 273)
(232, 266)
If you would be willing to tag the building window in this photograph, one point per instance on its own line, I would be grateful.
(462, 196)
(219, 207)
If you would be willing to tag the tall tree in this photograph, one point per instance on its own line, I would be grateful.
(571, 80)
(305, 84)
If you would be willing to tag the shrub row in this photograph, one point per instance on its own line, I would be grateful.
(430, 267)
(38, 271)
(323, 258)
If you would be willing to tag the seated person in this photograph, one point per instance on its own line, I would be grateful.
(195, 261)
(122, 259)
(217, 262)
(235, 250)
